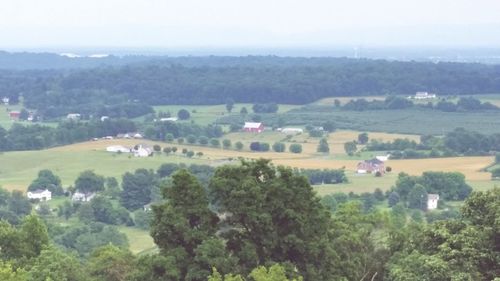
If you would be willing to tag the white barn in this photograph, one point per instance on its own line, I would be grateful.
(142, 150)
(40, 194)
(290, 131)
(118, 148)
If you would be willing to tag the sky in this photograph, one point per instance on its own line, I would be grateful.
(251, 23)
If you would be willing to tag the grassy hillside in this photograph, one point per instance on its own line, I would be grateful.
(18, 169)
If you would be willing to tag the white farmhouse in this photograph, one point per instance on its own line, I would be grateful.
(40, 194)
(82, 196)
(118, 148)
(432, 201)
(73, 116)
(5, 100)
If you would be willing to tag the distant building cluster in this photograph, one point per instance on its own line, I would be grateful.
(423, 96)
(139, 150)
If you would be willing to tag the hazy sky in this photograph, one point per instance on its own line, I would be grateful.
(236, 23)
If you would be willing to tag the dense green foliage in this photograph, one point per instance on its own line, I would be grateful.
(258, 222)
(127, 91)
(32, 137)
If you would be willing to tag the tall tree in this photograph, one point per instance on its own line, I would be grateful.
(323, 146)
(184, 222)
(274, 216)
(137, 188)
(88, 182)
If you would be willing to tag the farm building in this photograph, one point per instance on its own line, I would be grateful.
(83, 196)
(73, 116)
(40, 194)
(424, 96)
(5, 100)
(383, 158)
(14, 114)
(118, 148)
(292, 131)
(253, 127)
(169, 119)
(142, 150)
(371, 166)
(104, 118)
(432, 201)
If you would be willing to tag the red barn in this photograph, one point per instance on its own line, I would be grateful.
(14, 114)
(253, 127)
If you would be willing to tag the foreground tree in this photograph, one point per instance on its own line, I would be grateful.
(274, 217)
(183, 223)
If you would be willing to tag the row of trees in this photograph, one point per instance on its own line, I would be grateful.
(32, 137)
(455, 143)
(395, 102)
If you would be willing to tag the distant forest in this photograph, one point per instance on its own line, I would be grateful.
(215, 80)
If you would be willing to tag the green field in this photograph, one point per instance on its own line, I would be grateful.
(209, 114)
(18, 169)
(410, 121)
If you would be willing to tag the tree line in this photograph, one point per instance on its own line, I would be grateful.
(36, 136)
(129, 90)
(459, 142)
(395, 102)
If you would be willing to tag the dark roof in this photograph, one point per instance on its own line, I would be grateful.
(374, 161)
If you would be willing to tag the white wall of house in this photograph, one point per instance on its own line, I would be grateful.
(44, 195)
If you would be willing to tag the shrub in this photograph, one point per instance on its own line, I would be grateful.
(264, 146)
(295, 148)
(238, 145)
(156, 148)
(183, 114)
(169, 138)
(226, 143)
(203, 140)
(279, 147)
(255, 146)
(215, 142)
(190, 154)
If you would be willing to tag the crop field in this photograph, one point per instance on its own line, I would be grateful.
(208, 114)
(411, 121)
